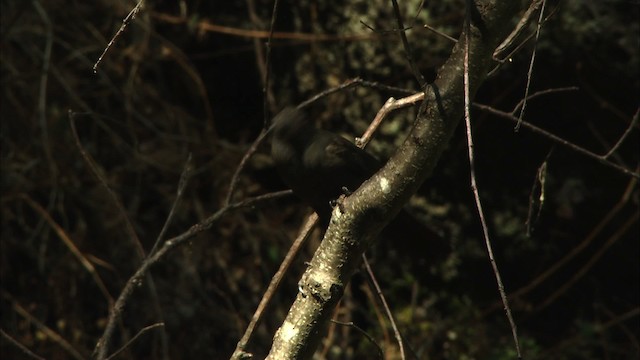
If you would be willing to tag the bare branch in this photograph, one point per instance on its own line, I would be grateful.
(20, 346)
(558, 140)
(474, 186)
(100, 351)
(125, 22)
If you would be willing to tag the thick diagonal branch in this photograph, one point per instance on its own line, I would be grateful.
(361, 216)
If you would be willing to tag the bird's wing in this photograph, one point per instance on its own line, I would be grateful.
(341, 148)
(333, 154)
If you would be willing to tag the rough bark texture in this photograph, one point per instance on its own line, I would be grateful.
(367, 211)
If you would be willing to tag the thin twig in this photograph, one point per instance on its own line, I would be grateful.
(132, 235)
(498, 54)
(20, 346)
(606, 145)
(577, 275)
(387, 310)
(125, 22)
(68, 242)
(377, 85)
(615, 147)
(142, 331)
(542, 93)
(389, 106)
(524, 22)
(265, 125)
(530, 72)
(266, 87)
(438, 32)
(91, 163)
(361, 331)
(509, 57)
(558, 140)
(382, 32)
(236, 175)
(182, 184)
(261, 62)
(42, 109)
(474, 187)
(47, 331)
(407, 47)
(205, 26)
(42, 89)
(345, 85)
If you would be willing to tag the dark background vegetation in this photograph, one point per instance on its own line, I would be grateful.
(169, 88)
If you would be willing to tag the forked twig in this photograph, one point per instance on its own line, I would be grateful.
(389, 106)
(136, 279)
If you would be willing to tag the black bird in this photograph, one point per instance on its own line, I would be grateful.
(318, 165)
